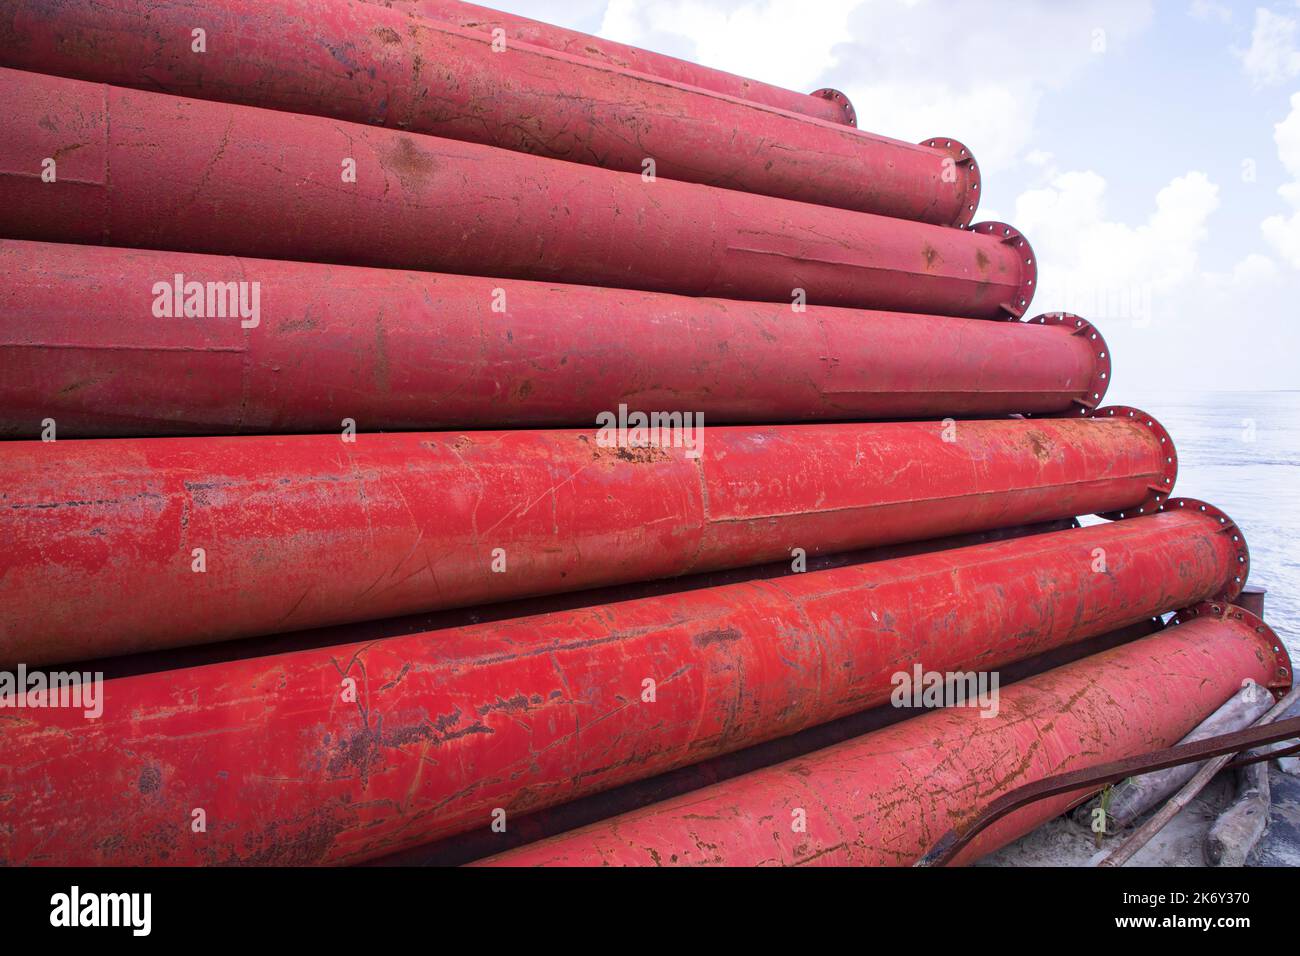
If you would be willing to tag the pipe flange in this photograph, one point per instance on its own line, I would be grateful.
(1280, 683)
(840, 100)
(1159, 491)
(962, 157)
(1100, 381)
(1011, 236)
(1228, 527)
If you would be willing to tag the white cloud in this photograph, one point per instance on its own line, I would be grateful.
(918, 69)
(1149, 284)
(1170, 318)
(913, 68)
(1282, 232)
(1209, 10)
(1108, 269)
(1272, 57)
(784, 42)
(1254, 269)
(1287, 136)
(994, 120)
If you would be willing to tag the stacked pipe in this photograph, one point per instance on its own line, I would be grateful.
(316, 317)
(1133, 699)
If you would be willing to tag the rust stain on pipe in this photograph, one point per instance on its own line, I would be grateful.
(310, 530)
(885, 798)
(822, 104)
(362, 63)
(531, 712)
(80, 343)
(238, 180)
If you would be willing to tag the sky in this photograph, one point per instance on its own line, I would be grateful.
(1150, 151)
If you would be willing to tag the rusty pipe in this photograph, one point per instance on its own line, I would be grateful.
(350, 752)
(199, 654)
(538, 825)
(362, 63)
(123, 545)
(825, 104)
(82, 344)
(882, 799)
(82, 162)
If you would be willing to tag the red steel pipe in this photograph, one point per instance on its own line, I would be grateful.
(884, 798)
(199, 654)
(520, 714)
(81, 343)
(593, 808)
(826, 104)
(194, 656)
(365, 64)
(302, 531)
(155, 171)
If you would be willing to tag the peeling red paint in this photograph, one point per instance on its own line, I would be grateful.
(199, 176)
(884, 798)
(469, 16)
(530, 712)
(362, 63)
(395, 350)
(310, 530)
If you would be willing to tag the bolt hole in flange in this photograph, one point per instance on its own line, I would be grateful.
(1229, 528)
(959, 154)
(1095, 389)
(840, 100)
(1010, 235)
(1169, 472)
(1224, 610)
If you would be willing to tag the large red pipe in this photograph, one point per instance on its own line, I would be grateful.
(81, 343)
(826, 104)
(154, 171)
(199, 654)
(444, 728)
(885, 798)
(365, 64)
(551, 821)
(301, 531)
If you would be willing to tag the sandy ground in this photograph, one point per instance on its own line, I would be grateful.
(1062, 842)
